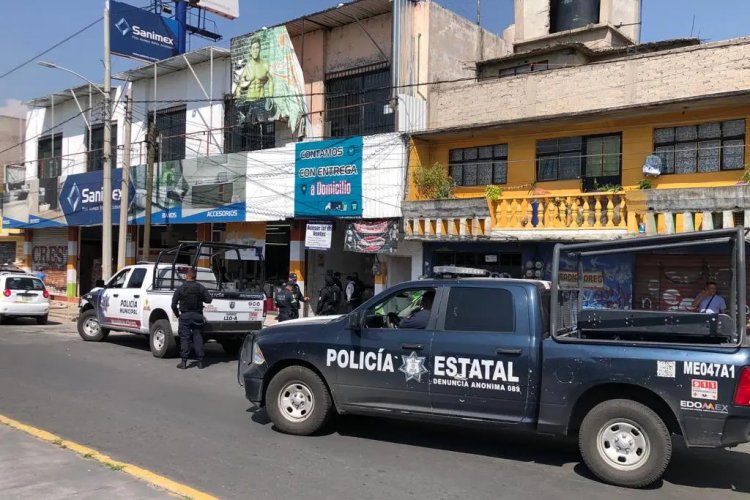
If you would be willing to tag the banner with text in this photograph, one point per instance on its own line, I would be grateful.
(73, 200)
(328, 178)
(318, 236)
(141, 34)
(82, 198)
(195, 190)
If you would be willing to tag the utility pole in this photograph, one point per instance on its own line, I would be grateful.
(151, 139)
(122, 240)
(107, 157)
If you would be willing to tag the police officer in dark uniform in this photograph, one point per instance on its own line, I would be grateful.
(328, 300)
(190, 297)
(286, 301)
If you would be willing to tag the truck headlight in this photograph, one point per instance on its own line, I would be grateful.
(258, 357)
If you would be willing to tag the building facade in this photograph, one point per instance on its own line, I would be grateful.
(584, 134)
(364, 73)
(11, 156)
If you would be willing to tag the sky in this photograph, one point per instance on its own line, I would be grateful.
(29, 27)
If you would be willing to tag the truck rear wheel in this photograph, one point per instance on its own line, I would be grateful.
(161, 339)
(297, 401)
(89, 328)
(625, 443)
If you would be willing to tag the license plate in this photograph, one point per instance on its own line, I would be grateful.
(230, 317)
(21, 298)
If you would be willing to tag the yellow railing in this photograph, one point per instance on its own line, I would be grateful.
(581, 211)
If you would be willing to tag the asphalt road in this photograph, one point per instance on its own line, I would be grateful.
(196, 427)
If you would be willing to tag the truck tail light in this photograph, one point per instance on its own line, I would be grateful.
(45, 294)
(6, 292)
(742, 393)
(265, 308)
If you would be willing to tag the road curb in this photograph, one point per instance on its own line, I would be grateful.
(133, 470)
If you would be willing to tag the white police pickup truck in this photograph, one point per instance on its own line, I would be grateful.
(138, 299)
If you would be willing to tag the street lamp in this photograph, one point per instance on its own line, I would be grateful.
(107, 162)
(47, 64)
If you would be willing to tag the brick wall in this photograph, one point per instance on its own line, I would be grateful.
(635, 80)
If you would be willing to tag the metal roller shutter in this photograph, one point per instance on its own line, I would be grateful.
(49, 254)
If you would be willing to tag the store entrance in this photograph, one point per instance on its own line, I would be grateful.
(278, 235)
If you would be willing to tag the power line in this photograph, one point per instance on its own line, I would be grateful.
(50, 49)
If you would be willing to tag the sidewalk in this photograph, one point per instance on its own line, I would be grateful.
(63, 312)
(31, 468)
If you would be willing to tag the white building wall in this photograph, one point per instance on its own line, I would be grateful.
(384, 159)
(203, 97)
(68, 120)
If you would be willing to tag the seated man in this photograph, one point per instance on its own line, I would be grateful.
(421, 317)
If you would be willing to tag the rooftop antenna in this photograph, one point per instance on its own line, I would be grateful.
(692, 27)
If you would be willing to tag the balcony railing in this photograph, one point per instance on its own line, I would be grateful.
(550, 212)
(583, 216)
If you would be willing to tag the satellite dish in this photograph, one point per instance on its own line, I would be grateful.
(652, 166)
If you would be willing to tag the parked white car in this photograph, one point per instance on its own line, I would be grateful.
(23, 295)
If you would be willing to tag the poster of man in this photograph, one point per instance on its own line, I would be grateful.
(267, 82)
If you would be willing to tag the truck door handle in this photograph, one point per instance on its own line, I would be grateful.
(413, 347)
(508, 352)
(137, 296)
(115, 295)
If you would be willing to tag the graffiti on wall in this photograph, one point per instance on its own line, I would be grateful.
(49, 257)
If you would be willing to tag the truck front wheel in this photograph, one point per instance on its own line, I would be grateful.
(89, 328)
(161, 339)
(297, 401)
(625, 443)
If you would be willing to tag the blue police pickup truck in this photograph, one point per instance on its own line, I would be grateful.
(526, 355)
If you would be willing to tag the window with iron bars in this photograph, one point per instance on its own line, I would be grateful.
(171, 126)
(479, 166)
(95, 157)
(49, 155)
(708, 147)
(245, 136)
(358, 102)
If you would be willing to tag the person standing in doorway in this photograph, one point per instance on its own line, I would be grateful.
(329, 298)
(708, 301)
(187, 305)
(353, 293)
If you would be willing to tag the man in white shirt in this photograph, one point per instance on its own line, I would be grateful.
(708, 301)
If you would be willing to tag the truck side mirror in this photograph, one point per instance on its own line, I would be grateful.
(99, 283)
(355, 321)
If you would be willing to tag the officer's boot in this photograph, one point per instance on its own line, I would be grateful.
(199, 364)
(183, 364)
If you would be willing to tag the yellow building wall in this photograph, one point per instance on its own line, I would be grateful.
(637, 143)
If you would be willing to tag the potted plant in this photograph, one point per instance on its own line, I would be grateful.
(433, 182)
(645, 183)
